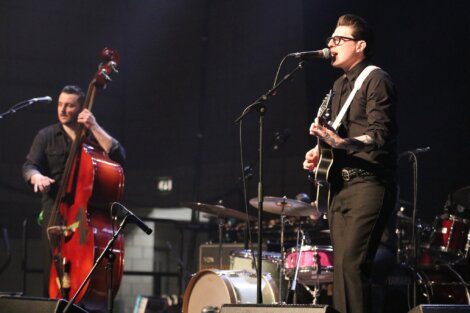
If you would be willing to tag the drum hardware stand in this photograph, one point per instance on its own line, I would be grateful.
(412, 158)
(293, 285)
(316, 290)
(283, 252)
(259, 106)
(221, 225)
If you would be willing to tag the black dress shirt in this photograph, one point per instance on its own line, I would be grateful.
(372, 112)
(48, 155)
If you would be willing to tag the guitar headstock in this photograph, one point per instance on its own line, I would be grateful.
(325, 104)
(107, 67)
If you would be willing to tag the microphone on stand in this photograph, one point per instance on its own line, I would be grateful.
(39, 99)
(321, 54)
(135, 219)
(26, 103)
(415, 151)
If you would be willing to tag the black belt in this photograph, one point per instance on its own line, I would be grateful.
(348, 173)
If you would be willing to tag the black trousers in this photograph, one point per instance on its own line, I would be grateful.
(357, 217)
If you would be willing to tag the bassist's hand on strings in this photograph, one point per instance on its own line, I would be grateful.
(41, 182)
(87, 119)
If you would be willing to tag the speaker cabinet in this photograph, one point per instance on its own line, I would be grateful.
(209, 255)
(35, 305)
(440, 308)
(271, 308)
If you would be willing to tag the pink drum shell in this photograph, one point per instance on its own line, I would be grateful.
(325, 254)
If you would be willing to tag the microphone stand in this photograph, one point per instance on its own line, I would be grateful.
(17, 107)
(107, 252)
(259, 106)
(414, 242)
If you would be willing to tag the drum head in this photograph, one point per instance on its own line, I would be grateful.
(204, 283)
(213, 288)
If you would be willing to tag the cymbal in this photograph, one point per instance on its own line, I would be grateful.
(218, 210)
(462, 197)
(289, 207)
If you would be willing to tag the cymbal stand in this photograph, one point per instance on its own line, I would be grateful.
(221, 225)
(283, 252)
(317, 269)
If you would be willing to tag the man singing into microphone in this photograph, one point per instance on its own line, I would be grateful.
(45, 162)
(363, 175)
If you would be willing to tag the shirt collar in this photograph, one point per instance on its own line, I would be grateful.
(58, 129)
(353, 73)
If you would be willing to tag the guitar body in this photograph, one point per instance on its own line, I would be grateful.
(321, 173)
(322, 182)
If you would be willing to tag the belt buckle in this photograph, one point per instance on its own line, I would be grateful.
(345, 174)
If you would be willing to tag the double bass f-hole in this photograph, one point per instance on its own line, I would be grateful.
(80, 226)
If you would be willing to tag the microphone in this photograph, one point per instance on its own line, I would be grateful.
(136, 220)
(322, 54)
(41, 99)
(415, 151)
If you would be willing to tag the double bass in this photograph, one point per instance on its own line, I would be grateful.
(81, 223)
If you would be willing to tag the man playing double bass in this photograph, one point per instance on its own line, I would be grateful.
(48, 154)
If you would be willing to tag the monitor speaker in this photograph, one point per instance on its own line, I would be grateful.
(440, 308)
(271, 308)
(36, 305)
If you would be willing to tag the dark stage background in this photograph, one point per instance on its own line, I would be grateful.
(189, 67)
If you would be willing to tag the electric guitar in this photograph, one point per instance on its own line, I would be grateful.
(320, 174)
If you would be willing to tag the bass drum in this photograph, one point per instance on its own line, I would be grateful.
(213, 288)
(243, 260)
(442, 285)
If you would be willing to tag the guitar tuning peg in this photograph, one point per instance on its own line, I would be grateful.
(106, 76)
(113, 66)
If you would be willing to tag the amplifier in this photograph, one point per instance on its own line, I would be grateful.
(209, 255)
(272, 308)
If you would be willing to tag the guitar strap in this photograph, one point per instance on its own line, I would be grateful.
(357, 85)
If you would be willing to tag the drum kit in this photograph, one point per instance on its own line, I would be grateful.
(438, 270)
(307, 264)
(438, 260)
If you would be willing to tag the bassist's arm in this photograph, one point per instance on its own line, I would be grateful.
(110, 145)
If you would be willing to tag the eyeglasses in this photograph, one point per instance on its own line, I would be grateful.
(338, 40)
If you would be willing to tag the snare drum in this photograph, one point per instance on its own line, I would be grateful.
(451, 235)
(213, 288)
(315, 266)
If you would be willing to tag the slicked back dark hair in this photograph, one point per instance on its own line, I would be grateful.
(75, 90)
(361, 31)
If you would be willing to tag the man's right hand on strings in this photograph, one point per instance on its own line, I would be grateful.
(311, 159)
